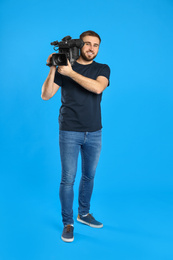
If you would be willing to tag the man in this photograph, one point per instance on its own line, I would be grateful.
(79, 127)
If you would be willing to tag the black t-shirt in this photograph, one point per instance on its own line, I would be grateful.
(80, 110)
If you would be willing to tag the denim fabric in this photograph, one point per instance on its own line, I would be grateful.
(71, 143)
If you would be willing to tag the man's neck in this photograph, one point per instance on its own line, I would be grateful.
(84, 62)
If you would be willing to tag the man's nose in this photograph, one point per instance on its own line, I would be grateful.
(91, 47)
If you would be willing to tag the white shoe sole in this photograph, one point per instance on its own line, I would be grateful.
(89, 224)
(67, 240)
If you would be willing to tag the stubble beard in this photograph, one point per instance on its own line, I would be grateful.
(86, 58)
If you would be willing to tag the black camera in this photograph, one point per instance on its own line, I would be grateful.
(68, 49)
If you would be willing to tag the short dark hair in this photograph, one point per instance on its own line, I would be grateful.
(89, 33)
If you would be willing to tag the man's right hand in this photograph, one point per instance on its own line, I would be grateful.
(49, 60)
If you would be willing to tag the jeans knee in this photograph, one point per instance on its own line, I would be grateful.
(88, 178)
(68, 179)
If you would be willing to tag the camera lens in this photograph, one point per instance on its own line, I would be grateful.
(59, 59)
(62, 60)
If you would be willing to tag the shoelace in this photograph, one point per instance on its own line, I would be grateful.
(68, 228)
(91, 217)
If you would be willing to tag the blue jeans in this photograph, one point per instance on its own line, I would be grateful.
(89, 144)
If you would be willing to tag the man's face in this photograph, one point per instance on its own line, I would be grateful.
(91, 47)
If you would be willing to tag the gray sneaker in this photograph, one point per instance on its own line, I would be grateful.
(67, 234)
(90, 221)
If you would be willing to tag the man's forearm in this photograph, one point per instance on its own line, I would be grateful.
(87, 83)
(47, 87)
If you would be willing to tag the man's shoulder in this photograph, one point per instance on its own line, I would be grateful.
(102, 69)
(98, 64)
(101, 66)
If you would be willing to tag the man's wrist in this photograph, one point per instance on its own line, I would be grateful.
(72, 74)
(52, 68)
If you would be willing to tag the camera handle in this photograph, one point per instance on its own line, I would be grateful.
(49, 64)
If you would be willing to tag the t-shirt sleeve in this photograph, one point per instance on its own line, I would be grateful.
(105, 71)
(58, 78)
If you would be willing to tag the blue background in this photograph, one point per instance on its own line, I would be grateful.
(133, 193)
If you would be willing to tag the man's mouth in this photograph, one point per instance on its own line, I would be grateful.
(90, 53)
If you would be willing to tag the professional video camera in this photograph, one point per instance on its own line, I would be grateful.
(68, 49)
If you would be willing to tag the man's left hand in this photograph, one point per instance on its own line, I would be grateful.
(65, 70)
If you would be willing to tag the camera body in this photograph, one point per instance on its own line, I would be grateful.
(68, 49)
